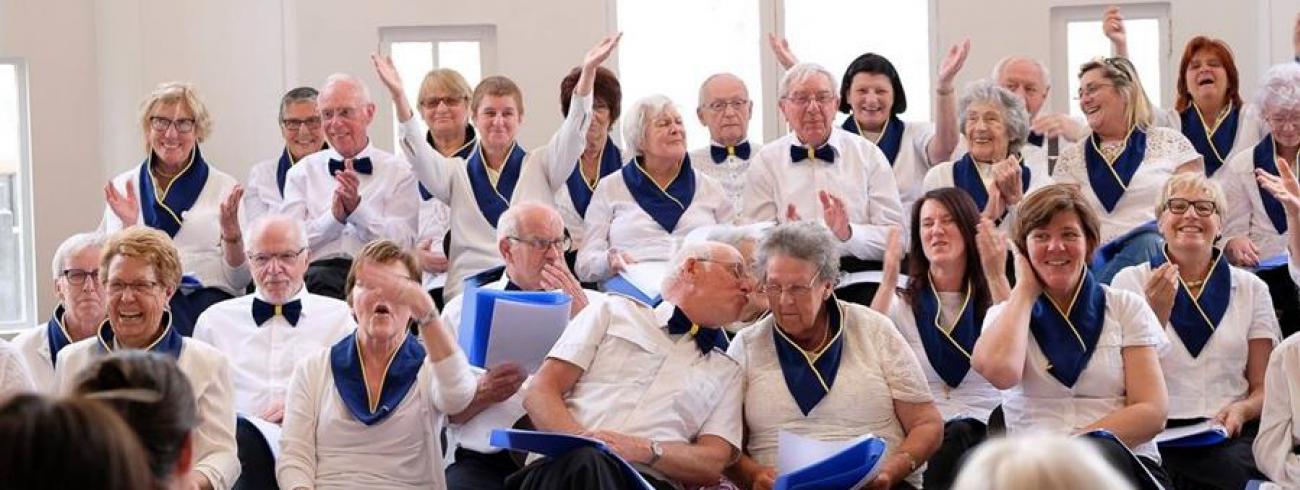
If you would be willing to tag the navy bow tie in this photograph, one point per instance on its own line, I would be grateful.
(720, 153)
(263, 311)
(705, 338)
(361, 165)
(800, 153)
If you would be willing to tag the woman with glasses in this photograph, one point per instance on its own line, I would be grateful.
(140, 270)
(957, 272)
(827, 369)
(175, 190)
(1071, 354)
(1123, 165)
(1221, 327)
(79, 313)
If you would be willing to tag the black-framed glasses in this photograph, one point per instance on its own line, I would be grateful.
(143, 287)
(79, 276)
(261, 259)
(736, 269)
(159, 123)
(562, 244)
(795, 291)
(296, 124)
(1203, 208)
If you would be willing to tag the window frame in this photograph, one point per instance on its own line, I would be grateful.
(1062, 16)
(24, 203)
(484, 34)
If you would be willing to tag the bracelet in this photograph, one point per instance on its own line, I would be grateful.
(428, 317)
(947, 91)
(236, 239)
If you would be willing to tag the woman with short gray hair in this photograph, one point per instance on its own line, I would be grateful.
(80, 311)
(821, 365)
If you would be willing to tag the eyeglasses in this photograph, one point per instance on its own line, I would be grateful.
(722, 105)
(802, 100)
(1091, 90)
(1203, 208)
(796, 291)
(736, 269)
(159, 123)
(119, 288)
(296, 124)
(342, 113)
(1282, 120)
(79, 276)
(261, 259)
(451, 102)
(561, 244)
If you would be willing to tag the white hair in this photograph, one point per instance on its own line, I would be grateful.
(508, 223)
(801, 72)
(638, 118)
(346, 79)
(699, 103)
(1038, 460)
(1002, 65)
(736, 236)
(1014, 115)
(694, 250)
(74, 245)
(1279, 90)
(260, 225)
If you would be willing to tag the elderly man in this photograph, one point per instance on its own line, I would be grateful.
(1027, 78)
(300, 126)
(724, 108)
(351, 193)
(822, 172)
(78, 315)
(531, 239)
(266, 333)
(652, 383)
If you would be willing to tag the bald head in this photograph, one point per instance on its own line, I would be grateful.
(277, 256)
(1025, 77)
(725, 108)
(530, 237)
(346, 112)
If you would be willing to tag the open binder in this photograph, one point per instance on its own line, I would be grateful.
(517, 326)
(554, 445)
(807, 464)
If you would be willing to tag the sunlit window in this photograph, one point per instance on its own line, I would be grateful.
(17, 298)
(416, 51)
(1085, 41)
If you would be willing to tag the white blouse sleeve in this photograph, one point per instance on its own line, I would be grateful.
(758, 198)
(578, 343)
(1273, 448)
(1139, 324)
(433, 170)
(215, 433)
(453, 383)
(884, 209)
(14, 378)
(593, 258)
(902, 370)
(1263, 324)
(569, 141)
(296, 467)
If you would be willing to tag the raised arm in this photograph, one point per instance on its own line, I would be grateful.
(1112, 25)
(570, 139)
(889, 272)
(433, 170)
(781, 49)
(945, 112)
(999, 354)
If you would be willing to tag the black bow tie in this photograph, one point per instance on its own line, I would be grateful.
(800, 153)
(720, 153)
(361, 165)
(705, 338)
(263, 311)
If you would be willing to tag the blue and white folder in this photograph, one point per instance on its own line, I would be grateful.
(554, 445)
(1206, 433)
(807, 464)
(641, 281)
(516, 326)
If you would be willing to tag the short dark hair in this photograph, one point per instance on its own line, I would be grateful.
(1039, 207)
(300, 94)
(877, 64)
(68, 443)
(607, 89)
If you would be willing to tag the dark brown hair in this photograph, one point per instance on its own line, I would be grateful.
(1039, 207)
(606, 89)
(68, 443)
(965, 214)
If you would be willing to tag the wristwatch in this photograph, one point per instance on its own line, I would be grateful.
(656, 452)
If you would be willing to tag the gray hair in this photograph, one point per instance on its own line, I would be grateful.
(346, 79)
(1196, 181)
(809, 241)
(508, 223)
(699, 103)
(300, 94)
(694, 250)
(801, 72)
(1014, 115)
(636, 120)
(1279, 89)
(74, 245)
(736, 236)
(1002, 65)
(259, 226)
(1038, 460)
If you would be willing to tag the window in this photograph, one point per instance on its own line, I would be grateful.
(469, 50)
(1077, 36)
(670, 46)
(17, 279)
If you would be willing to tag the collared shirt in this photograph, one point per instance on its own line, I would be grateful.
(1279, 430)
(389, 205)
(860, 176)
(730, 173)
(876, 368)
(262, 357)
(912, 162)
(1201, 386)
(1042, 402)
(13, 372)
(1251, 126)
(262, 193)
(975, 397)
(1246, 215)
(33, 345)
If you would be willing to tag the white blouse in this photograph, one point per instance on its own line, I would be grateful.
(261, 192)
(975, 397)
(33, 347)
(1251, 127)
(912, 163)
(1274, 448)
(1245, 215)
(1041, 402)
(730, 173)
(941, 176)
(874, 362)
(13, 373)
(434, 220)
(323, 446)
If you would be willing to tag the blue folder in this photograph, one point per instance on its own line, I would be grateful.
(618, 284)
(476, 316)
(1205, 438)
(845, 469)
(554, 445)
(1270, 263)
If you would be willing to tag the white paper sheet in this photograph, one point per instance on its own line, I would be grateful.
(794, 451)
(647, 276)
(270, 432)
(523, 333)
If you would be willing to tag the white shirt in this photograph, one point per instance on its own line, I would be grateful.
(941, 176)
(860, 176)
(13, 373)
(1278, 432)
(389, 207)
(262, 357)
(1201, 386)
(876, 368)
(616, 221)
(323, 446)
(208, 372)
(912, 162)
(33, 346)
(1245, 214)
(199, 237)
(730, 173)
(1040, 402)
(262, 192)
(638, 380)
(434, 218)
(1251, 127)
(1167, 150)
(975, 397)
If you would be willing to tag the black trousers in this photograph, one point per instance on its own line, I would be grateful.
(328, 277)
(186, 308)
(959, 437)
(1227, 465)
(1286, 298)
(256, 462)
(861, 293)
(478, 471)
(580, 468)
(1119, 458)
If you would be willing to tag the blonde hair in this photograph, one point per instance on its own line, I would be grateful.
(498, 86)
(147, 244)
(1038, 460)
(446, 80)
(168, 93)
(1122, 73)
(1194, 181)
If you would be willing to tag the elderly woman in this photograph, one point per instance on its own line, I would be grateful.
(367, 412)
(993, 171)
(1076, 356)
(140, 270)
(958, 271)
(1221, 326)
(1124, 163)
(79, 313)
(175, 190)
(819, 366)
(642, 213)
(1038, 461)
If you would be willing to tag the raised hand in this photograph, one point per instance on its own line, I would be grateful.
(1112, 25)
(387, 73)
(835, 215)
(893, 251)
(952, 63)
(1295, 36)
(349, 189)
(1283, 186)
(230, 213)
(996, 206)
(781, 49)
(125, 206)
(792, 214)
(1160, 290)
(1027, 283)
(600, 52)
(556, 276)
(396, 288)
(992, 246)
(1009, 180)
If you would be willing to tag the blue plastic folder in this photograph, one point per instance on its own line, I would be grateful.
(476, 318)
(1206, 433)
(555, 445)
(620, 285)
(1275, 262)
(850, 467)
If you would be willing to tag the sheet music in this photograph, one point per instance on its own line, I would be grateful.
(523, 333)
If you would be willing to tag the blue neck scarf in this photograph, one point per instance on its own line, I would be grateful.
(1110, 179)
(719, 153)
(706, 339)
(56, 335)
(462, 152)
(665, 205)
(1195, 318)
(948, 351)
(966, 176)
(350, 380)
(810, 375)
(1035, 138)
(282, 170)
(1213, 144)
(579, 191)
(891, 138)
(169, 343)
(1265, 160)
(1068, 338)
(164, 209)
(492, 201)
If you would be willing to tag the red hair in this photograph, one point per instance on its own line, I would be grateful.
(1218, 48)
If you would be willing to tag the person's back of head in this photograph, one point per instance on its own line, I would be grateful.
(68, 443)
(1036, 461)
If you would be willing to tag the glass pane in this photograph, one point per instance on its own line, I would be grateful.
(462, 56)
(1085, 41)
(412, 60)
(707, 37)
(832, 33)
(13, 255)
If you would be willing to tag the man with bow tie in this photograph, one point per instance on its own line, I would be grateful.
(351, 193)
(725, 108)
(266, 333)
(653, 383)
(819, 171)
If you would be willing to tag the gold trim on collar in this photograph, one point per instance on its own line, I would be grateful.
(1066, 313)
(1110, 162)
(947, 332)
(664, 189)
(1210, 130)
(373, 401)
